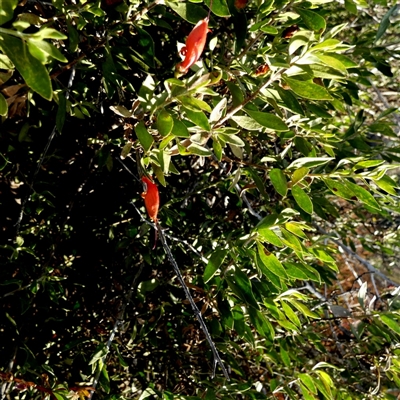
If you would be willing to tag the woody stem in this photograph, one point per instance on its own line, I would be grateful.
(217, 358)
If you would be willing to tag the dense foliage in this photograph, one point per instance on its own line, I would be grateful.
(276, 157)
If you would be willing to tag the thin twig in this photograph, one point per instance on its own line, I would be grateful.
(231, 112)
(217, 358)
(143, 11)
(382, 98)
(347, 249)
(39, 164)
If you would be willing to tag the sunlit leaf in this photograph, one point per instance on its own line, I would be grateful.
(32, 70)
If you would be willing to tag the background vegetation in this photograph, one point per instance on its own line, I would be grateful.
(277, 161)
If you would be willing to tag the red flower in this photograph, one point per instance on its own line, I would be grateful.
(195, 43)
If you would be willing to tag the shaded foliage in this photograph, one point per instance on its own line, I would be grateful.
(276, 157)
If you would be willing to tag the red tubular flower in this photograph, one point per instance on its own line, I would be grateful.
(195, 43)
(151, 198)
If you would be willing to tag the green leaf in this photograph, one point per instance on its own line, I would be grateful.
(188, 11)
(165, 123)
(5, 62)
(308, 89)
(217, 148)
(328, 44)
(194, 104)
(270, 276)
(344, 60)
(3, 106)
(299, 174)
(271, 262)
(218, 110)
(302, 199)
(363, 195)
(313, 20)
(326, 72)
(308, 381)
(368, 164)
(198, 118)
(339, 189)
(385, 22)
(291, 241)
(38, 53)
(61, 111)
(239, 321)
(309, 162)
(219, 7)
(300, 39)
(350, 6)
(49, 33)
(278, 180)
(267, 221)
(287, 325)
(284, 356)
(290, 314)
(332, 61)
(391, 322)
(295, 271)
(195, 148)
(295, 227)
(324, 257)
(306, 393)
(262, 325)
(179, 129)
(289, 101)
(145, 139)
(148, 286)
(214, 262)
(47, 48)
(100, 352)
(268, 120)
(146, 43)
(241, 286)
(7, 10)
(302, 308)
(270, 236)
(32, 70)
(387, 184)
(236, 92)
(232, 139)
(149, 392)
(247, 123)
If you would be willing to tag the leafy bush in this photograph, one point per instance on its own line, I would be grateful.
(276, 157)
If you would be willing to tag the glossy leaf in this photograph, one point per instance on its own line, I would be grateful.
(268, 120)
(195, 148)
(278, 180)
(165, 123)
(33, 71)
(179, 129)
(363, 195)
(3, 106)
(7, 10)
(271, 262)
(302, 199)
(313, 20)
(308, 89)
(198, 118)
(247, 123)
(145, 139)
(214, 263)
(219, 7)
